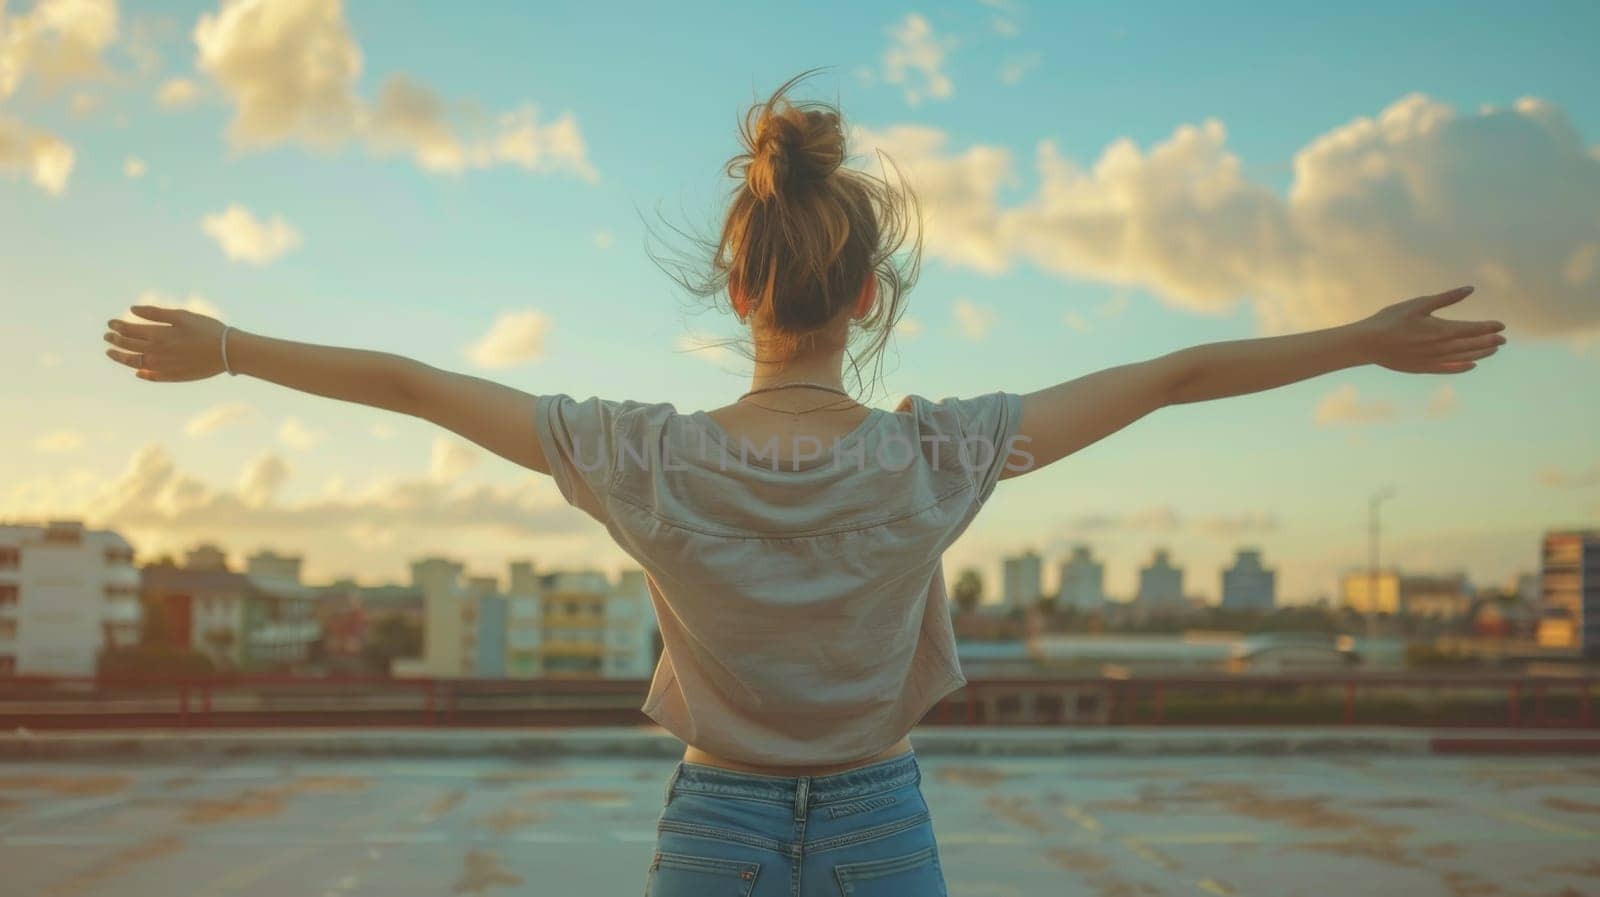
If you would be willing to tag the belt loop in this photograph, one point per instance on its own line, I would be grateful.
(802, 795)
(672, 781)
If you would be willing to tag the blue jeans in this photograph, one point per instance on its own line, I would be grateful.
(865, 832)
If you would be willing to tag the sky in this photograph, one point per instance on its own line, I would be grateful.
(1100, 185)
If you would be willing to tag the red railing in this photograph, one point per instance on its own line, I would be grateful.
(346, 701)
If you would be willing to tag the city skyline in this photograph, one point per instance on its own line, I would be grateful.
(475, 193)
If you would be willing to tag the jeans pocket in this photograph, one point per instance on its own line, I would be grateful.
(915, 874)
(686, 875)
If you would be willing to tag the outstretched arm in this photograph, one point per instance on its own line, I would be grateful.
(1064, 418)
(182, 345)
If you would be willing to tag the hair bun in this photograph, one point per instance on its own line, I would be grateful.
(792, 146)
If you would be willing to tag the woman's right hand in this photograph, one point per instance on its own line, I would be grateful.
(1406, 337)
(182, 346)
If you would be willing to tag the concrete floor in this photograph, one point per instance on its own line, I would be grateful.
(1137, 827)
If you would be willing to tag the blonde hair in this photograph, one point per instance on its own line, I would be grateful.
(804, 233)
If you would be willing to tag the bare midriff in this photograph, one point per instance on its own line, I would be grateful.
(693, 754)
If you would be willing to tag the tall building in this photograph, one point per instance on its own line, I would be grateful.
(261, 619)
(66, 593)
(1160, 583)
(448, 626)
(1570, 602)
(1022, 581)
(1247, 585)
(1083, 581)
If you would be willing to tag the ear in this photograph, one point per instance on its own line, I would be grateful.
(869, 293)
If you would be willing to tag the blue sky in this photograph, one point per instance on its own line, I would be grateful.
(391, 251)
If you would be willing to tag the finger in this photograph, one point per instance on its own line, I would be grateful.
(1469, 344)
(158, 376)
(131, 328)
(157, 313)
(1473, 355)
(1459, 329)
(130, 358)
(1454, 367)
(127, 342)
(1440, 300)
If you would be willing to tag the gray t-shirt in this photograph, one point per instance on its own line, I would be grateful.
(799, 588)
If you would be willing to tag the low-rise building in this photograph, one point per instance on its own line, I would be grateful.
(261, 618)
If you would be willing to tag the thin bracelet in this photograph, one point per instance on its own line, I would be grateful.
(225, 329)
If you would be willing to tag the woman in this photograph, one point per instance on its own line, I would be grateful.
(792, 538)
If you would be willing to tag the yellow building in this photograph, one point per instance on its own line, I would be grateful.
(1570, 602)
(1440, 596)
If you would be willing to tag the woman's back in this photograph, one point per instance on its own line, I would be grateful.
(798, 585)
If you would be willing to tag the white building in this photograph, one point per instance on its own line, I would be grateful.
(1083, 581)
(1022, 580)
(1247, 585)
(65, 594)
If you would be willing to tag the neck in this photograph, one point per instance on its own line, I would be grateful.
(821, 368)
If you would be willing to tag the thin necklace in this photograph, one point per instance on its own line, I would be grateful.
(796, 413)
(797, 383)
(793, 412)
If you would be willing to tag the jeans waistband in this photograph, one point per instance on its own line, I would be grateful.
(874, 778)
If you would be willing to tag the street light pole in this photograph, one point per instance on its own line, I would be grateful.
(1372, 563)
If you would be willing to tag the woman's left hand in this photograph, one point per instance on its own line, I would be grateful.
(182, 346)
(1406, 337)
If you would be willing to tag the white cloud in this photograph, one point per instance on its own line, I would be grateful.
(604, 239)
(46, 159)
(290, 69)
(381, 430)
(1418, 199)
(1344, 405)
(134, 167)
(915, 59)
(153, 495)
(908, 327)
(452, 458)
(295, 434)
(59, 441)
(514, 338)
(246, 238)
(57, 42)
(961, 220)
(1443, 402)
(974, 321)
(1075, 321)
(176, 93)
(216, 417)
(262, 479)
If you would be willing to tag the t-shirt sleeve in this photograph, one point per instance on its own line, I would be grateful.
(579, 440)
(988, 437)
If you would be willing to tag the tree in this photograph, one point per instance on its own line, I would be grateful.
(391, 637)
(969, 590)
